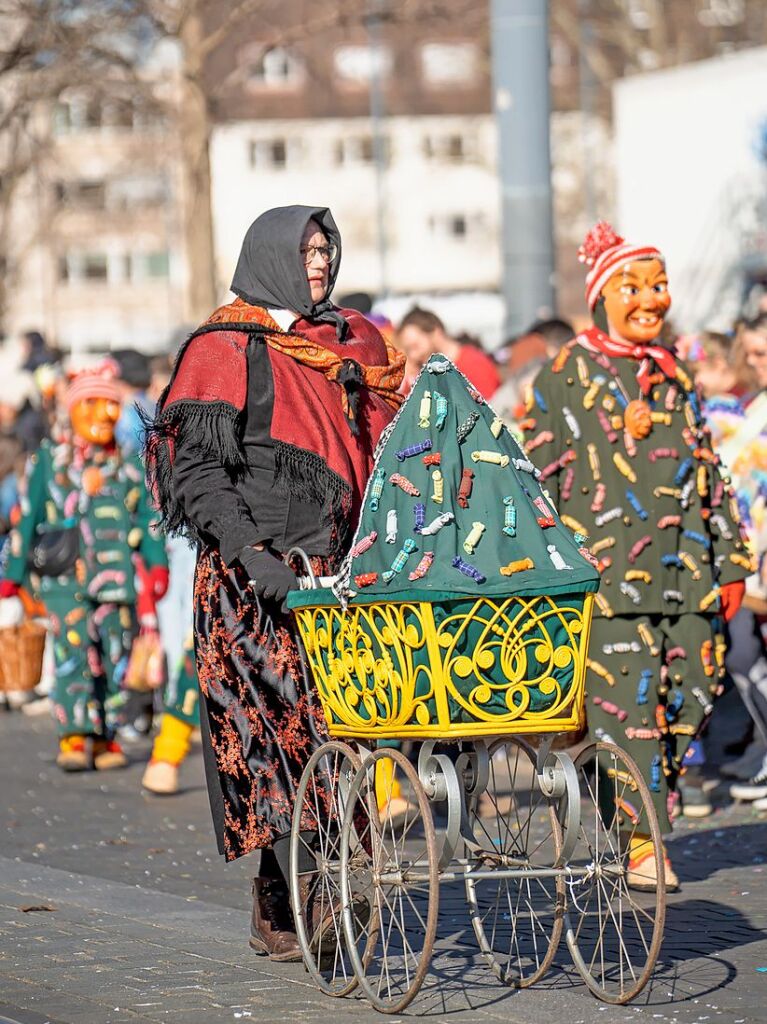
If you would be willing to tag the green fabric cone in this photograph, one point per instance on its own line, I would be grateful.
(491, 484)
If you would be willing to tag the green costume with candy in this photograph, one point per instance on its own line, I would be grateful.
(624, 452)
(102, 498)
(182, 693)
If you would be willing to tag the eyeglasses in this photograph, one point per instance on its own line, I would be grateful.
(327, 252)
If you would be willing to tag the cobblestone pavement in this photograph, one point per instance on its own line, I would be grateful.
(114, 907)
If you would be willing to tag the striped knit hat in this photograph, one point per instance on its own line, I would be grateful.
(604, 252)
(95, 382)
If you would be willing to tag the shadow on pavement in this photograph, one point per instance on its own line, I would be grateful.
(691, 966)
(700, 854)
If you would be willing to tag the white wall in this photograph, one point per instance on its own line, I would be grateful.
(421, 256)
(688, 176)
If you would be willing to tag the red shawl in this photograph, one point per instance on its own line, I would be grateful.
(321, 388)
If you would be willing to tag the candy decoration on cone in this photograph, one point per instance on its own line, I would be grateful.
(464, 491)
(422, 568)
(404, 484)
(512, 524)
(399, 562)
(377, 489)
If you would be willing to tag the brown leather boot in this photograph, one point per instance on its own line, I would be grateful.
(272, 932)
(324, 918)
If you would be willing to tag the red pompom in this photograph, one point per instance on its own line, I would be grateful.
(601, 238)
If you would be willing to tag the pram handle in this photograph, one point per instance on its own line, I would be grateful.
(310, 581)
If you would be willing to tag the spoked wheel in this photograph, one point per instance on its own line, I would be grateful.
(315, 866)
(390, 884)
(517, 921)
(614, 932)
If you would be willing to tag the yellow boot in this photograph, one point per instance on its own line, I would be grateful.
(72, 756)
(392, 805)
(642, 867)
(170, 748)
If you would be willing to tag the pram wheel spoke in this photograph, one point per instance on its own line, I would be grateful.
(517, 920)
(390, 881)
(315, 866)
(614, 931)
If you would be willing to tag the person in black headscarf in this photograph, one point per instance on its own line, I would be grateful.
(263, 440)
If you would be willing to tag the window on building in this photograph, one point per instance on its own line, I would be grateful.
(81, 195)
(77, 267)
(560, 52)
(274, 68)
(357, 65)
(62, 118)
(450, 146)
(90, 194)
(456, 227)
(135, 192)
(94, 114)
(359, 149)
(450, 63)
(157, 263)
(119, 114)
(94, 266)
(272, 154)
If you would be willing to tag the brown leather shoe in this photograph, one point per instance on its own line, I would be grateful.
(325, 918)
(272, 932)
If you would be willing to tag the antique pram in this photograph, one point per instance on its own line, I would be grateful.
(485, 679)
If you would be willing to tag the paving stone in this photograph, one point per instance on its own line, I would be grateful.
(151, 926)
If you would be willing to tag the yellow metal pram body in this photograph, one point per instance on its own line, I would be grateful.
(453, 669)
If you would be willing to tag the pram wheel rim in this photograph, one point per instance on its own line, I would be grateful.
(363, 789)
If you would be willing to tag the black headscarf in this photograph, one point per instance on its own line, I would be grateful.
(271, 271)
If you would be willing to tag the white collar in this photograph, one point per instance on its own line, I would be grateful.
(284, 318)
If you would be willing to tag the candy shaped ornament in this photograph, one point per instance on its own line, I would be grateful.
(454, 505)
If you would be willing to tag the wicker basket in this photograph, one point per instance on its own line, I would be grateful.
(21, 656)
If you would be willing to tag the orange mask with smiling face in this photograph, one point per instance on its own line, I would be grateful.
(636, 301)
(94, 420)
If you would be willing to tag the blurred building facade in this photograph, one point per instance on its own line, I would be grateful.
(393, 130)
(93, 241)
(380, 109)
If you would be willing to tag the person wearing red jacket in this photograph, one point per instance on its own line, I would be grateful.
(422, 334)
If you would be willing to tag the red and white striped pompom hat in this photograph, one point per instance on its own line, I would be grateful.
(95, 382)
(603, 251)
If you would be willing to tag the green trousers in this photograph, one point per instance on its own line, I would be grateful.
(650, 684)
(91, 644)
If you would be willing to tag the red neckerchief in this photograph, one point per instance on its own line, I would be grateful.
(597, 341)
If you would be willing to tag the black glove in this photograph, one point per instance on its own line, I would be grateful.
(270, 577)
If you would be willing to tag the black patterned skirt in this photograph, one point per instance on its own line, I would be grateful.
(261, 718)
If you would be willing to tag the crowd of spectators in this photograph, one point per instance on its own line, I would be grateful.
(730, 370)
